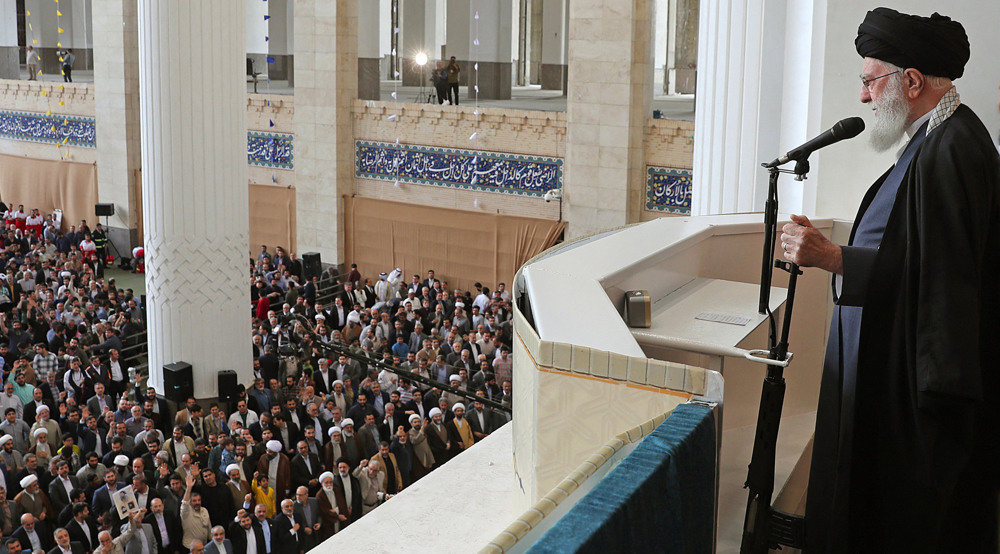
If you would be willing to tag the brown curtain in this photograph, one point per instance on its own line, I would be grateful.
(50, 184)
(462, 247)
(272, 218)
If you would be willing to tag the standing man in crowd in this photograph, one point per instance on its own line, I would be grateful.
(453, 70)
(67, 58)
(908, 425)
(34, 62)
(440, 79)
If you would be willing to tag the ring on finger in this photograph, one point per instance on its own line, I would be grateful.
(784, 247)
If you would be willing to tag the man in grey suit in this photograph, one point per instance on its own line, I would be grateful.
(220, 544)
(307, 512)
(94, 403)
(140, 534)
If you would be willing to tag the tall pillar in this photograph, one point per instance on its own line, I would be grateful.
(535, 43)
(194, 185)
(418, 33)
(684, 45)
(325, 32)
(257, 23)
(9, 53)
(606, 112)
(555, 44)
(460, 36)
(281, 39)
(493, 53)
(756, 98)
(369, 20)
(116, 110)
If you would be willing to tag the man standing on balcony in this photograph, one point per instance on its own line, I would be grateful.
(34, 61)
(908, 428)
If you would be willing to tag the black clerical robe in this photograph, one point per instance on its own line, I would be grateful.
(910, 463)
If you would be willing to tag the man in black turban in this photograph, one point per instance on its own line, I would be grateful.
(905, 456)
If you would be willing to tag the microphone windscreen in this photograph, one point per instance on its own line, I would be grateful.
(848, 128)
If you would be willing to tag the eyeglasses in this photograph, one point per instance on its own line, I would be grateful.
(867, 83)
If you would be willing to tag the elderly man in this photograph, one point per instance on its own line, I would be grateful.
(307, 513)
(166, 527)
(64, 545)
(43, 421)
(906, 441)
(32, 500)
(116, 545)
(372, 481)
(32, 535)
(288, 530)
(219, 544)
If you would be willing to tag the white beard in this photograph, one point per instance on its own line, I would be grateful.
(891, 116)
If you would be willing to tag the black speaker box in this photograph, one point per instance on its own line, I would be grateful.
(178, 382)
(311, 265)
(103, 210)
(227, 385)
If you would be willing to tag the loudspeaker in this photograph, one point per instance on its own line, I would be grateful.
(103, 210)
(228, 384)
(637, 309)
(177, 382)
(311, 265)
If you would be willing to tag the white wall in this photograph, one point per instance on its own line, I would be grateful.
(847, 170)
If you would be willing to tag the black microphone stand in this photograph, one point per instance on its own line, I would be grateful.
(764, 527)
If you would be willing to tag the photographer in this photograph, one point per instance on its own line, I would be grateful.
(67, 58)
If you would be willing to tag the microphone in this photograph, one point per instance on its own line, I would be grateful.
(844, 129)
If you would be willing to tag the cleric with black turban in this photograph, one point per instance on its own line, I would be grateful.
(906, 454)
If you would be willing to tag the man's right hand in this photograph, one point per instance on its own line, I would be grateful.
(806, 246)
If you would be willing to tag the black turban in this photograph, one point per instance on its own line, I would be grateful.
(934, 45)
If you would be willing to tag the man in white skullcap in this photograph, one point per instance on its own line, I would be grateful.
(454, 380)
(353, 450)
(10, 457)
(41, 446)
(42, 420)
(32, 500)
(423, 458)
(461, 428)
(237, 484)
(328, 504)
(334, 448)
(277, 467)
(438, 439)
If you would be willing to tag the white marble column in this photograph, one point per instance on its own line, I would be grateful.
(9, 53)
(606, 112)
(195, 195)
(369, 20)
(418, 33)
(325, 31)
(493, 53)
(116, 110)
(281, 43)
(555, 44)
(757, 96)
